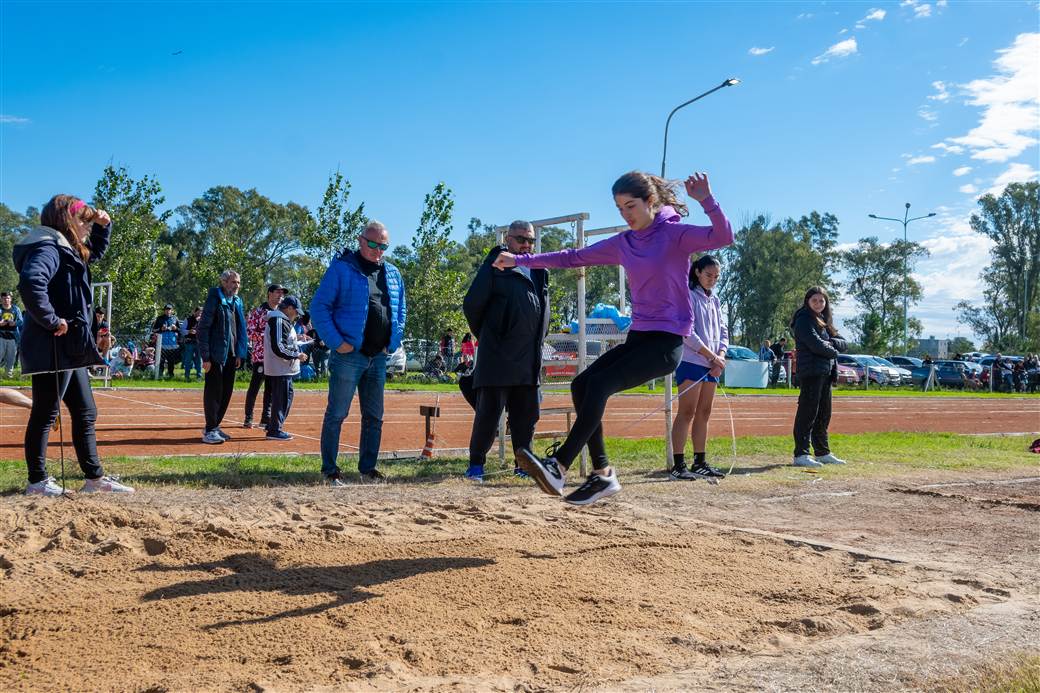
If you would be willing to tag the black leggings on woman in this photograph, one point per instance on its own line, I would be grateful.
(72, 387)
(813, 416)
(644, 356)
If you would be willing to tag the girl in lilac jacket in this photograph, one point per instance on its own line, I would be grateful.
(704, 357)
(655, 253)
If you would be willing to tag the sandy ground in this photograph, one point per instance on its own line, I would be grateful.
(751, 585)
(157, 422)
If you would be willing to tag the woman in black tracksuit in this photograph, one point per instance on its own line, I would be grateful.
(53, 263)
(817, 345)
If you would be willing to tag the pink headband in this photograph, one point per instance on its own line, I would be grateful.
(76, 206)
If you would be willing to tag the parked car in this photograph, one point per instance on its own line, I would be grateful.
(947, 374)
(907, 362)
(739, 353)
(419, 352)
(396, 363)
(848, 376)
(987, 367)
(903, 374)
(862, 364)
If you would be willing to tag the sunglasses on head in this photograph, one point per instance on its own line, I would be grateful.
(373, 245)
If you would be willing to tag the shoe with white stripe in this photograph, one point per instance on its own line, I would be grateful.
(806, 461)
(212, 438)
(47, 487)
(105, 484)
(680, 472)
(596, 487)
(547, 473)
(829, 459)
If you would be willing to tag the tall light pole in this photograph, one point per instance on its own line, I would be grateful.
(732, 81)
(905, 221)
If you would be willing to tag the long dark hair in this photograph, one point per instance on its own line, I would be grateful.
(655, 190)
(824, 319)
(699, 265)
(56, 215)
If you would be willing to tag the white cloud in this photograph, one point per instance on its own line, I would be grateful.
(842, 49)
(913, 161)
(905, 3)
(962, 171)
(963, 41)
(1009, 102)
(922, 11)
(14, 120)
(754, 50)
(874, 14)
(805, 15)
(1016, 173)
(941, 93)
(968, 189)
(949, 148)
(843, 31)
(941, 3)
(928, 114)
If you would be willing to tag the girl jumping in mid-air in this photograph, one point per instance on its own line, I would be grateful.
(655, 253)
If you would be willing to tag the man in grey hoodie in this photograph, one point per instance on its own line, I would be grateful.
(282, 357)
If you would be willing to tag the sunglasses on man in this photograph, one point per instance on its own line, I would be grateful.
(529, 240)
(373, 245)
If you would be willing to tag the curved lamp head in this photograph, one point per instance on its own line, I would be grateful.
(931, 214)
(872, 216)
(731, 82)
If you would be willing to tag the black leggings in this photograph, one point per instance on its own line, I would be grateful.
(643, 356)
(813, 416)
(74, 389)
(217, 391)
(255, 381)
(521, 401)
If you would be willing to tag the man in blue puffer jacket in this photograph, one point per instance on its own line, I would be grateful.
(359, 311)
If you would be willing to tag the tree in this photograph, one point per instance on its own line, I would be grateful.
(12, 225)
(878, 284)
(961, 345)
(435, 288)
(337, 226)
(769, 266)
(1010, 315)
(132, 263)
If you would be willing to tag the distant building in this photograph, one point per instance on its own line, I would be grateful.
(938, 348)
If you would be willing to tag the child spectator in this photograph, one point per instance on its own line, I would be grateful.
(282, 357)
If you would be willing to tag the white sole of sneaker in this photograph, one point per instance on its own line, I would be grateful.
(538, 473)
(606, 494)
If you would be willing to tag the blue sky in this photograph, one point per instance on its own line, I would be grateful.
(533, 109)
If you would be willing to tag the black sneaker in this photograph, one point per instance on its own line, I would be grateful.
(595, 487)
(680, 472)
(701, 470)
(373, 477)
(547, 473)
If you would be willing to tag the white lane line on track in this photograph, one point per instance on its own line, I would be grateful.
(196, 414)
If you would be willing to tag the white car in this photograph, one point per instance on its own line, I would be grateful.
(396, 363)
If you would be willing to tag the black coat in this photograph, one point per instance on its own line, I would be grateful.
(214, 331)
(815, 350)
(54, 283)
(509, 314)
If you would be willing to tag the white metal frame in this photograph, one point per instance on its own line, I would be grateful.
(106, 289)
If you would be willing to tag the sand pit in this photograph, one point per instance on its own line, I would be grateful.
(422, 587)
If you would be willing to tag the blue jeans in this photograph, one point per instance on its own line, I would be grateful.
(349, 373)
(190, 358)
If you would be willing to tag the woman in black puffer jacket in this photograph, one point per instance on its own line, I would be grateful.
(817, 345)
(53, 263)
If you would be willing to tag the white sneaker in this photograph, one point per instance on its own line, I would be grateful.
(806, 461)
(546, 473)
(47, 487)
(829, 458)
(212, 438)
(596, 487)
(106, 484)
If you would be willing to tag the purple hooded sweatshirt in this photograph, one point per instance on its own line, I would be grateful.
(709, 327)
(657, 262)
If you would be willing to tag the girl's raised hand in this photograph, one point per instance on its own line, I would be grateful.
(505, 260)
(697, 186)
(102, 218)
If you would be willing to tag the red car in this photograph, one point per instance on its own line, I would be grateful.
(846, 375)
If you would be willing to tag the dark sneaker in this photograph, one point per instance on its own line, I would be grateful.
(279, 435)
(248, 423)
(373, 477)
(703, 471)
(475, 473)
(596, 487)
(335, 480)
(681, 472)
(520, 474)
(546, 473)
(223, 435)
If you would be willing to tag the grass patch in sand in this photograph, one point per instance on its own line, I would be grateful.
(764, 458)
(1018, 673)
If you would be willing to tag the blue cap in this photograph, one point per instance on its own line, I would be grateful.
(290, 302)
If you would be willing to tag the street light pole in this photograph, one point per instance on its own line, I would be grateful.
(905, 221)
(732, 81)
